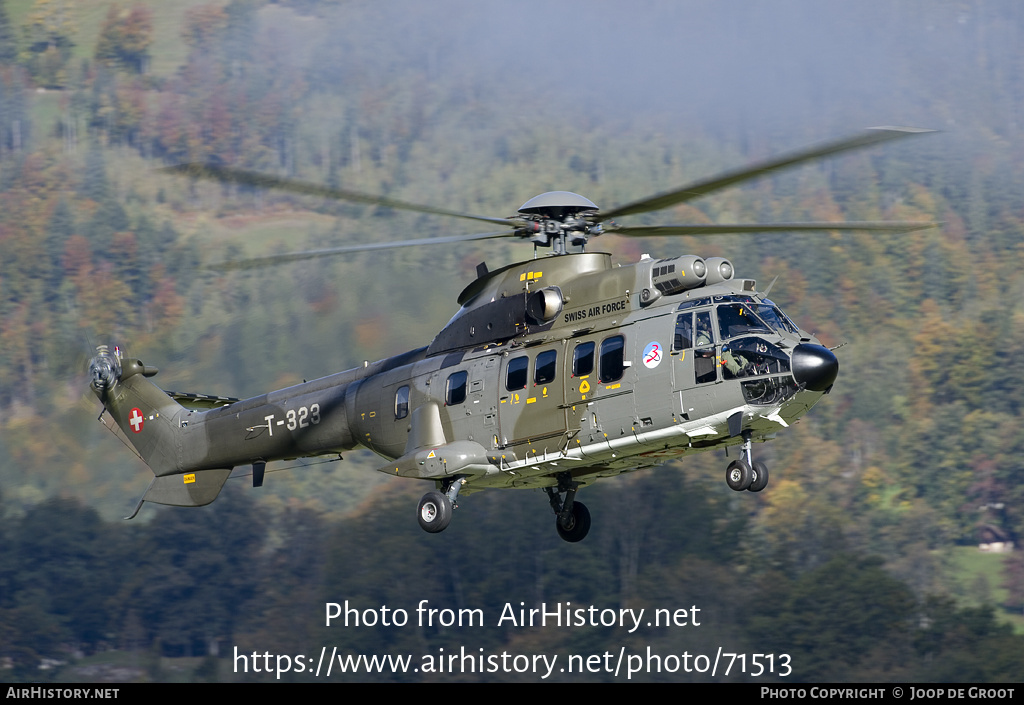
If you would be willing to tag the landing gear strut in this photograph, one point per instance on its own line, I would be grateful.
(435, 510)
(572, 518)
(745, 474)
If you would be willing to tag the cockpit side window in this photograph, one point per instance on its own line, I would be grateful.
(704, 333)
(683, 338)
(704, 368)
(751, 357)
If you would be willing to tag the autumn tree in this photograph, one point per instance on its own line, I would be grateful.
(125, 38)
(47, 46)
(203, 23)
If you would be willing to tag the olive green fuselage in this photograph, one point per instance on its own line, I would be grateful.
(551, 365)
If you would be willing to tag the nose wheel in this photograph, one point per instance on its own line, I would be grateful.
(744, 474)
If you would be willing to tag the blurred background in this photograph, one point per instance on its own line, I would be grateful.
(863, 560)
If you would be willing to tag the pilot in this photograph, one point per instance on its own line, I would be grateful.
(704, 339)
(732, 362)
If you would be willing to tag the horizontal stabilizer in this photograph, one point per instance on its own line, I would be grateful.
(193, 489)
(200, 402)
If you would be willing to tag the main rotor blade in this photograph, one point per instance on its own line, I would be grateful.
(330, 251)
(885, 226)
(874, 135)
(223, 174)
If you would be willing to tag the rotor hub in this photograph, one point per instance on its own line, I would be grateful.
(555, 218)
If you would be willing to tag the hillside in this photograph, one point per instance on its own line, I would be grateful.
(478, 109)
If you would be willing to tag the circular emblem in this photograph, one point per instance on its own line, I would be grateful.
(652, 355)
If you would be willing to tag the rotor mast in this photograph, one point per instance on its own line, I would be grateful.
(558, 219)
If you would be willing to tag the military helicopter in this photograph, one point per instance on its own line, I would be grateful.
(554, 373)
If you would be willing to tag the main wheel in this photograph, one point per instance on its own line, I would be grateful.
(760, 477)
(576, 527)
(435, 512)
(739, 475)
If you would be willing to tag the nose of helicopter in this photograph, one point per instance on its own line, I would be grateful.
(814, 367)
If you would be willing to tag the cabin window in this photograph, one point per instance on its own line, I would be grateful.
(455, 390)
(402, 402)
(583, 359)
(545, 368)
(612, 359)
(517, 373)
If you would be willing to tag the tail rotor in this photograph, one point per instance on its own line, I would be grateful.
(105, 369)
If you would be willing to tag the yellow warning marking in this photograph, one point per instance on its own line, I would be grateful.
(190, 478)
(584, 387)
(431, 454)
(531, 400)
(544, 392)
(613, 386)
(522, 277)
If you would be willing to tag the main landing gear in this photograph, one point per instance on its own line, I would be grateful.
(572, 518)
(743, 474)
(435, 510)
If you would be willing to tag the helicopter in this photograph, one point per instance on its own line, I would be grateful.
(554, 372)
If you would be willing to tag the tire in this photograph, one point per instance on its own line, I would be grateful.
(739, 475)
(434, 512)
(760, 477)
(579, 524)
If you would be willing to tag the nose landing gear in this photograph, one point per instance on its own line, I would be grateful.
(744, 474)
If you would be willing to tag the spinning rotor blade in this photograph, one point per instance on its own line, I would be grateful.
(213, 172)
(874, 135)
(329, 251)
(891, 226)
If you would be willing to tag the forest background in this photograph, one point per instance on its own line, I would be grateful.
(861, 558)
